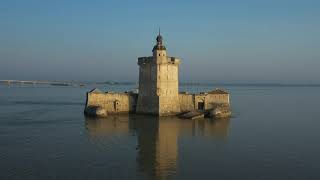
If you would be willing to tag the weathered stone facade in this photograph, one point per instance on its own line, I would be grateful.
(128, 102)
(158, 90)
(203, 101)
(112, 102)
(158, 82)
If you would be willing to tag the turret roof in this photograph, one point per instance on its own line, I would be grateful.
(159, 45)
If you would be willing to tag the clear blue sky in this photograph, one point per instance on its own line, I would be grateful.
(218, 41)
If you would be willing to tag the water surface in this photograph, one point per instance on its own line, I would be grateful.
(273, 134)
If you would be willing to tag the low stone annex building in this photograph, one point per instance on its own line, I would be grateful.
(158, 90)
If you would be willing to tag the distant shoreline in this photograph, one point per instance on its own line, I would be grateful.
(115, 83)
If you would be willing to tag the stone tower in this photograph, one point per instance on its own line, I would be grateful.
(158, 82)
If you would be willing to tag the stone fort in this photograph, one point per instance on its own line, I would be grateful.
(158, 92)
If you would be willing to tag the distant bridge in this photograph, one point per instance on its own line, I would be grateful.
(36, 82)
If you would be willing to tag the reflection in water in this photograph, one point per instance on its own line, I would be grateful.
(98, 127)
(157, 137)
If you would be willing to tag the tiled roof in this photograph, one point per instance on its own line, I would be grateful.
(95, 90)
(218, 91)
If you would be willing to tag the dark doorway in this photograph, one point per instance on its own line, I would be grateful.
(116, 105)
(200, 105)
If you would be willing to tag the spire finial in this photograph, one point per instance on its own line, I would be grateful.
(159, 37)
(159, 45)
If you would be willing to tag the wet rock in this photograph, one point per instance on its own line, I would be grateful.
(221, 111)
(195, 114)
(96, 111)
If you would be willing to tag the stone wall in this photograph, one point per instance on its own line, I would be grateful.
(189, 102)
(186, 102)
(213, 99)
(167, 86)
(113, 102)
(158, 84)
(148, 101)
(128, 102)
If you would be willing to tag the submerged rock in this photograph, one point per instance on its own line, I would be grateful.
(97, 111)
(221, 111)
(195, 114)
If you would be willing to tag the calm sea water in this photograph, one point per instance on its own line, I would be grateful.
(273, 134)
